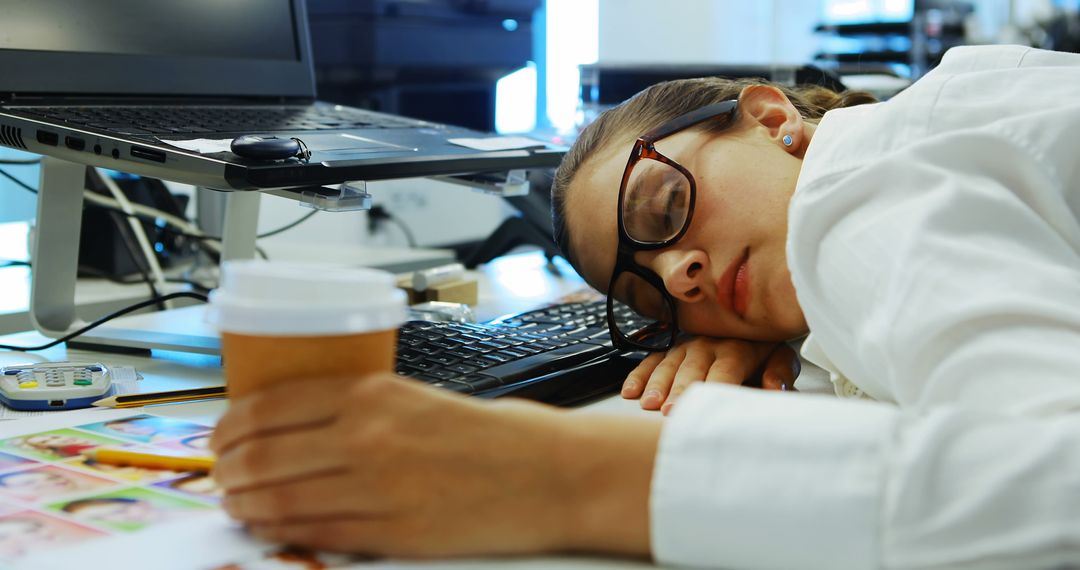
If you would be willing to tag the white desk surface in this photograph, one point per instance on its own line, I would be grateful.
(510, 284)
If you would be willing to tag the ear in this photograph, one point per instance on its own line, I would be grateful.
(768, 107)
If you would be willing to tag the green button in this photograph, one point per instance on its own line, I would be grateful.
(81, 382)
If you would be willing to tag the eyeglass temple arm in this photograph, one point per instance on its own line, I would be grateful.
(690, 119)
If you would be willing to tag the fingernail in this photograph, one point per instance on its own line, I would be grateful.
(629, 387)
(651, 397)
(666, 408)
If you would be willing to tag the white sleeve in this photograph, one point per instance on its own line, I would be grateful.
(960, 299)
(747, 479)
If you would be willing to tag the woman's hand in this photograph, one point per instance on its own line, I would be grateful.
(663, 376)
(386, 466)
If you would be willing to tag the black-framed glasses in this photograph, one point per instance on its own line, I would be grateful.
(656, 202)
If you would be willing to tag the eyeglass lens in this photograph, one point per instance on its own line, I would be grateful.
(656, 201)
(646, 317)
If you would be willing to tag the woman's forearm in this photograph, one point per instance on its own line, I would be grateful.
(607, 462)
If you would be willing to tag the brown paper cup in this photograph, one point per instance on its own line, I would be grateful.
(287, 323)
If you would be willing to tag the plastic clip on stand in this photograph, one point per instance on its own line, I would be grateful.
(348, 197)
(512, 183)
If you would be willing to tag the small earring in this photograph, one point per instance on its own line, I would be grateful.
(787, 140)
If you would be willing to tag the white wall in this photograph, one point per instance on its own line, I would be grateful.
(707, 31)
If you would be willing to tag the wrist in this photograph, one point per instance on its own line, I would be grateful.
(606, 463)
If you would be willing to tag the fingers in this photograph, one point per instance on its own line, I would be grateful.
(736, 362)
(635, 381)
(352, 535)
(276, 458)
(277, 408)
(695, 367)
(781, 369)
(335, 495)
(659, 383)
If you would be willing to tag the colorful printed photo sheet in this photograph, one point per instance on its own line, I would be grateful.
(52, 495)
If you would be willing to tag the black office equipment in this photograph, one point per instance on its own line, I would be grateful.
(259, 147)
(531, 225)
(121, 84)
(560, 354)
(437, 60)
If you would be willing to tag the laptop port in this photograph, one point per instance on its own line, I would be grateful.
(56, 403)
(45, 137)
(74, 143)
(147, 154)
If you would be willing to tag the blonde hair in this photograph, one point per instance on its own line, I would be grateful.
(661, 103)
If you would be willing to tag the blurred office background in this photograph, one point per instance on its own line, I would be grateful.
(544, 67)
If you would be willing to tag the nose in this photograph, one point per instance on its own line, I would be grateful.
(684, 272)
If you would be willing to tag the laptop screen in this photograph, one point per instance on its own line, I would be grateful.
(241, 29)
(166, 47)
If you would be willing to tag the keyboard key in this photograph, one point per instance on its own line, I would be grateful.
(437, 374)
(451, 385)
(480, 382)
(443, 359)
(462, 368)
(409, 355)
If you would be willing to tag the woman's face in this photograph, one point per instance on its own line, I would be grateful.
(33, 483)
(729, 272)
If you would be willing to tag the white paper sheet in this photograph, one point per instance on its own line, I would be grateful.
(202, 146)
(498, 143)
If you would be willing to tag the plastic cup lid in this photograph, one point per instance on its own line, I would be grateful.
(298, 299)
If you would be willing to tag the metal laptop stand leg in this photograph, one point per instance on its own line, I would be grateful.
(55, 259)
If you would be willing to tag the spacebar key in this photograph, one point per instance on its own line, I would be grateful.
(545, 362)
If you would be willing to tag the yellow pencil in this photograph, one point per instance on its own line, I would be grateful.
(158, 460)
(148, 398)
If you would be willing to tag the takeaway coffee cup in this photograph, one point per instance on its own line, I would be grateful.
(287, 322)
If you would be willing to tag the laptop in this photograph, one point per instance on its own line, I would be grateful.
(162, 88)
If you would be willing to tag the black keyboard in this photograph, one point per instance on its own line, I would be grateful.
(560, 354)
(168, 120)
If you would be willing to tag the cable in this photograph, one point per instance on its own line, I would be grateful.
(153, 214)
(288, 227)
(14, 264)
(106, 319)
(409, 237)
(379, 214)
(179, 225)
(140, 211)
(136, 227)
(20, 161)
(95, 272)
(25, 186)
(132, 250)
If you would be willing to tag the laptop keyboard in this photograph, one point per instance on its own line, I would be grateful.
(510, 356)
(165, 120)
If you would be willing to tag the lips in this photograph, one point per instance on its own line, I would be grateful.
(733, 289)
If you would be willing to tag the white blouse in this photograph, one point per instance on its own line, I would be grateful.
(934, 245)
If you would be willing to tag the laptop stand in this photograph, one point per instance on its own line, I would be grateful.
(55, 257)
(55, 260)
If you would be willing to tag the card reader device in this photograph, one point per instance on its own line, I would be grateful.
(54, 385)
